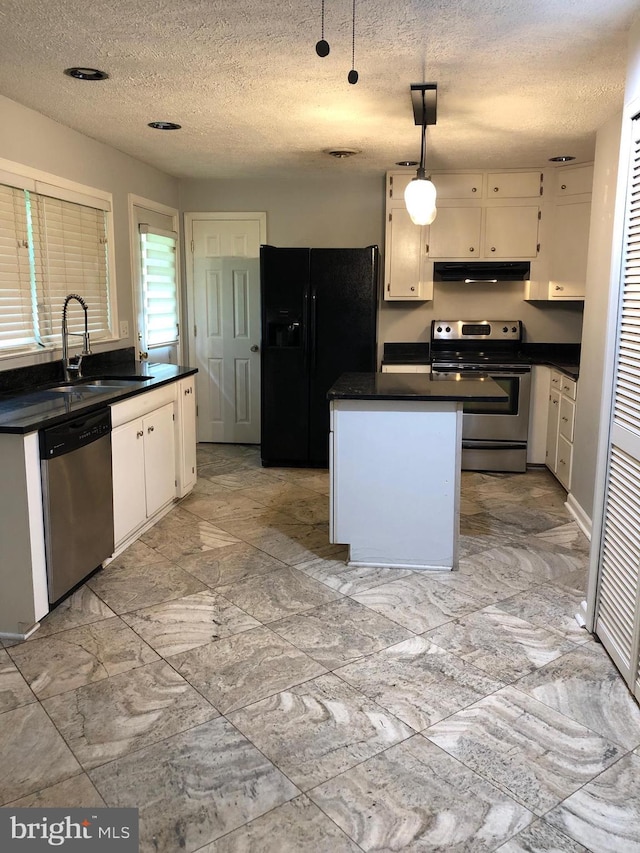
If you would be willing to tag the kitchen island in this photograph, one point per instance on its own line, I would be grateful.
(395, 462)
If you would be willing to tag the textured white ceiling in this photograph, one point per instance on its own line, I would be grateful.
(518, 80)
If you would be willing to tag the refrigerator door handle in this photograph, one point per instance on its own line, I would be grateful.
(305, 329)
(313, 324)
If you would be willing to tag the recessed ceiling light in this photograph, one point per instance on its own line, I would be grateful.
(407, 163)
(341, 153)
(561, 159)
(164, 125)
(86, 73)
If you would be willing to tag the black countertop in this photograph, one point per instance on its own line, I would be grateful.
(564, 357)
(416, 386)
(42, 407)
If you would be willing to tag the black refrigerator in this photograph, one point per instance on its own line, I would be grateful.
(318, 321)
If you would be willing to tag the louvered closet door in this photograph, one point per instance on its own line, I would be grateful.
(618, 604)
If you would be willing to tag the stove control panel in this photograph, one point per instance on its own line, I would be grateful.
(476, 330)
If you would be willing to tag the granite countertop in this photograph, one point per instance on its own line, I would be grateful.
(416, 386)
(563, 357)
(41, 407)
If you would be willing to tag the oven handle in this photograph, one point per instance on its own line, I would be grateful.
(498, 371)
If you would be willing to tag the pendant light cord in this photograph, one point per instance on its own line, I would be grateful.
(353, 36)
(421, 173)
(322, 19)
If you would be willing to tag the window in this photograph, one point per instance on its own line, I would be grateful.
(53, 242)
(159, 285)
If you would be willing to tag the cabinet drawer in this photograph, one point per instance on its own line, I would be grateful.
(569, 387)
(136, 407)
(567, 416)
(513, 184)
(565, 458)
(556, 380)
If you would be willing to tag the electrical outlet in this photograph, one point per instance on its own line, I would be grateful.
(124, 328)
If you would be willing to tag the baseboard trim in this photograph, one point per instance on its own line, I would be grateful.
(582, 519)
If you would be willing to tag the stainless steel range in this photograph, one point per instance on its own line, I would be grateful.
(494, 435)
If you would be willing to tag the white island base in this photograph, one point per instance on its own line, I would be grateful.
(395, 481)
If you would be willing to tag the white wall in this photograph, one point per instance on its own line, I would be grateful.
(349, 211)
(605, 175)
(32, 139)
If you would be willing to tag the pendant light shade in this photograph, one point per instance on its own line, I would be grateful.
(420, 200)
(420, 194)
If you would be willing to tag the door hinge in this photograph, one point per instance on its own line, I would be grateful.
(389, 217)
(389, 287)
(538, 247)
(197, 411)
(539, 215)
(195, 331)
(173, 416)
(193, 246)
(390, 189)
(426, 248)
(175, 483)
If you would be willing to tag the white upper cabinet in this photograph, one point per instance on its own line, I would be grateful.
(573, 180)
(511, 232)
(514, 184)
(458, 185)
(404, 257)
(455, 233)
(397, 183)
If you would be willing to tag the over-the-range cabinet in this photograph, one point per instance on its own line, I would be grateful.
(318, 321)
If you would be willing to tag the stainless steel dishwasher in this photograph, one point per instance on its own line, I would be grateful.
(77, 485)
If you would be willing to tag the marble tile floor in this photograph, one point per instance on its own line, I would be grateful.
(234, 680)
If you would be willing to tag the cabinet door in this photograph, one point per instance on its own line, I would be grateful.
(511, 232)
(159, 458)
(458, 185)
(565, 458)
(404, 251)
(186, 435)
(397, 183)
(455, 233)
(567, 416)
(127, 455)
(513, 184)
(552, 430)
(570, 242)
(573, 181)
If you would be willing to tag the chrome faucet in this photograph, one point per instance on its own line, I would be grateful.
(72, 365)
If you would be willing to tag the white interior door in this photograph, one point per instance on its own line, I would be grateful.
(225, 296)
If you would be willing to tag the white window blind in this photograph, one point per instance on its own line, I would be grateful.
(50, 247)
(16, 295)
(72, 259)
(159, 285)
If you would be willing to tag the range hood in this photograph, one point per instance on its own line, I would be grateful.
(478, 271)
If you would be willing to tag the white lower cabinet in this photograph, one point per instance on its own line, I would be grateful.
(186, 435)
(144, 471)
(562, 395)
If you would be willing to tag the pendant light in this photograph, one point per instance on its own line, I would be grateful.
(322, 46)
(352, 76)
(420, 194)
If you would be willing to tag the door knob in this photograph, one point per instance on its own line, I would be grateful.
(255, 348)
(144, 356)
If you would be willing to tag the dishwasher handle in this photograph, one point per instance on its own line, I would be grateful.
(73, 434)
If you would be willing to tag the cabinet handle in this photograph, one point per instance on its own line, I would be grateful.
(493, 248)
(561, 462)
(555, 402)
(150, 429)
(187, 390)
(412, 288)
(558, 287)
(471, 249)
(563, 187)
(565, 419)
(139, 434)
(474, 189)
(495, 189)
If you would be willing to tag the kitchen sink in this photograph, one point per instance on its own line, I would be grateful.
(97, 384)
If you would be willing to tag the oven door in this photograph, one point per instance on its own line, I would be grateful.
(507, 420)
